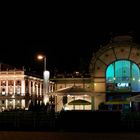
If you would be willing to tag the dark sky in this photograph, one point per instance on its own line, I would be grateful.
(67, 36)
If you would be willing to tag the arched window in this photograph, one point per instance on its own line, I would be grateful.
(123, 76)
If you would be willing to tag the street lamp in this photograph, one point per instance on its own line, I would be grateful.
(46, 75)
(40, 57)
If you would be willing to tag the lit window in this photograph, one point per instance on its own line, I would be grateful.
(3, 91)
(121, 73)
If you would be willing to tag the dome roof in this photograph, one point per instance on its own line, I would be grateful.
(122, 38)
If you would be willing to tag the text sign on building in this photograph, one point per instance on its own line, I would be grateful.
(123, 85)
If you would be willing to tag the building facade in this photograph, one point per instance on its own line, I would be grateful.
(115, 72)
(18, 89)
(114, 77)
(71, 92)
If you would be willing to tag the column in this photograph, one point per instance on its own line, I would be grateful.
(23, 103)
(29, 87)
(6, 87)
(33, 92)
(40, 89)
(33, 88)
(14, 87)
(23, 88)
(36, 86)
(13, 103)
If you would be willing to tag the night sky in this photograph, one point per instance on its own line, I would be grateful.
(67, 36)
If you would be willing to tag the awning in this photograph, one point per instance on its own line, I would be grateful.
(73, 90)
(79, 102)
(116, 102)
(135, 98)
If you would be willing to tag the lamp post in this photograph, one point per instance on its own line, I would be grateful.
(46, 75)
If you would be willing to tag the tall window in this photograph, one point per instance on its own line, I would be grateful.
(123, 76)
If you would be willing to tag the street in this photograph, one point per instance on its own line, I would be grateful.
(24, 135)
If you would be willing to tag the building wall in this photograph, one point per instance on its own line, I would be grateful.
(121, 47)
(64, 82)
(18, 89)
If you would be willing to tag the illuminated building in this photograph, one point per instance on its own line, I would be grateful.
(72, 92)
(17, 89)
(115, 69)
(114, 77)
(113, 81)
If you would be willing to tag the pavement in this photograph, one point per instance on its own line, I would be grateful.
(43, 135)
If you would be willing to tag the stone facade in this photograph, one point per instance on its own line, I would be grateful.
(18, 89)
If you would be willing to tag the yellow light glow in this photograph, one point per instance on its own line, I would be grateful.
(46, 99)
(40, 57)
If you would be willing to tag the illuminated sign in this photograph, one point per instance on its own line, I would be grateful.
(122, 85)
